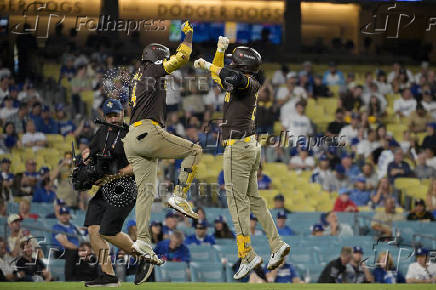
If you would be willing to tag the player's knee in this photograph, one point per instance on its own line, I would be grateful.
(198, 151)
(93, 230)
(107, 234)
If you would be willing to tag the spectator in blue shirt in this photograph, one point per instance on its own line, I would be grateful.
(65, 125)
(200, 237)
(173, 250)
(285, 273)
(10, 135)
(263, 180)
(359, 195)
(398, 167)
(6, 176)
(351, 170)
(44, 193)
(385, 271)
(35, 113)
(64, 233)
(283, 229)
(222, 189)
(333, 77)
(68, 70)
(170, 224)
(46, 124)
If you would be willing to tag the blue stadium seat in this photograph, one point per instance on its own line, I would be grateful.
(303, 255)
(229, 272)
(203, 253)
(259, 241)
(57, 269)
(309, 271)
(42, 208)
(222, 242)
(13, 207)
(207, 272)
(326, 253)
(228, 252)
(171, 272)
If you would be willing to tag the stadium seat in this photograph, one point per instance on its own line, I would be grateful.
(303, 255)
(227, 252)
(171, 272)
(203, 253)
(207, 272)
(57, 269)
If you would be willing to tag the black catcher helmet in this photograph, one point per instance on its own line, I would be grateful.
(154, 52)
(245, 59)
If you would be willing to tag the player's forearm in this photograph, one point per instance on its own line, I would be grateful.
(188, 39)
(179, 59)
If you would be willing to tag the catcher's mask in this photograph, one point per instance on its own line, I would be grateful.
(155, 52)
(245, 59)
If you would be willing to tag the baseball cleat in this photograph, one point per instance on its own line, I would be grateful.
(278, 257)
(246, 268)
(143, 271)
(146, 253)
(104, 280)
(181, 205)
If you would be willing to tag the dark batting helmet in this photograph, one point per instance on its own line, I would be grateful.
(245, 59)
(154, 52)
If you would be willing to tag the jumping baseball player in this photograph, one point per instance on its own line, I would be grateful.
(148, 141)
(242, 153)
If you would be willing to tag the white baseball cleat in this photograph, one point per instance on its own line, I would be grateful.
(277, 258)
(145, 250)
(181, 205)
(245, 268)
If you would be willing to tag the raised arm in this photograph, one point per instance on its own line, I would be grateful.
(183, 52)
(218, 60)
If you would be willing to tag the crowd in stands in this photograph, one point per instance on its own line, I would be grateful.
(382, 129)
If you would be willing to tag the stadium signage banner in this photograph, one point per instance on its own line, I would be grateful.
(64, 7)
(205, 10)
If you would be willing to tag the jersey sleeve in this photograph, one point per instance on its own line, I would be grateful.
(218, 60)
(179, 59)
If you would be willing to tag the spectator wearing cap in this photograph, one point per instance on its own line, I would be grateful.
(404, 106)
(420, 212)
(6, 263)
(24, 210)
(7, 179)
(57, 205)
(332, 227)
(35, 113)
(398, 167)
(351, 131)
(19, 120)
(322, 173)
(343, 202)
(263, 180)
(283, 229)
(351, 170)
(32, 138)
(65, 125)
(302, 161)
(44, 192)
(46, 124)
(319, 89)
(317, 230)
(68, 70)
(334, 127)
(30, 177)
(279, 76)
(253, 224)
(85, 131)
(430, 140)
(422, 271)
(16, 234)
(340, 179)
(61, 173)
(65, 234)
(131, 229)
(370, 176)
(170, 224)
(83, 144)
(173, 249)
(29, 268)
(44, 172)
(419, 119)
(8, 109)
(333, 76)
(222, 230)
(335, 271)
(382, 220)
(360, 195)
(200, 237)
(427, 100)
(279, 203)
(357, 271)
(285, 273)
(156, 232)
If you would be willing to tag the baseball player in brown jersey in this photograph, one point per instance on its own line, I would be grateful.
(242, 153)
(148, 141)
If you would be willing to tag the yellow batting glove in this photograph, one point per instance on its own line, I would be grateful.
(187, 27)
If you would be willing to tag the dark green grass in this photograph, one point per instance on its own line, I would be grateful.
(220, 286)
